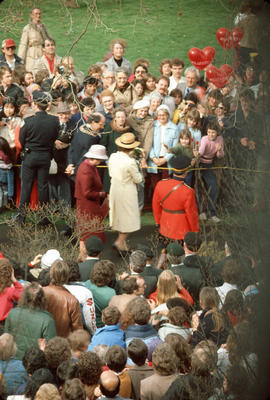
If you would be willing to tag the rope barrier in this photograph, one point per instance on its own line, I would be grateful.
(194, 169)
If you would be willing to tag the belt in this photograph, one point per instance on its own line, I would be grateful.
(174, 211)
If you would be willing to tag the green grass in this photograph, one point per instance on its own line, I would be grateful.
(153, 29)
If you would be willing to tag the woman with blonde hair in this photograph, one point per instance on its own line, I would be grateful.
(168, 286)
(210, 324)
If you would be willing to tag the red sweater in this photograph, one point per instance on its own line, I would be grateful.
(6, 298)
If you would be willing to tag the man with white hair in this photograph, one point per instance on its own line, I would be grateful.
(191, 79)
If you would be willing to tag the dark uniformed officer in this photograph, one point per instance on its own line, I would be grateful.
(37, 137)
(174, 204)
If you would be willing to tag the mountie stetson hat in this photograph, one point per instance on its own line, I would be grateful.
(180, 164)
(127, 141)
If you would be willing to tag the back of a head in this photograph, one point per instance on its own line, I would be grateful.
(192, 241)
(5, 274)
(102, 273)
(209, 297)
(8, 347)
(166, 286)
(116, 358)
(33, 297)
(137, 261)
(79, 340)
(39, 377)
(234, 302)
(182, 350)
(47, 391)
(73, 390)
(177, 316)
(67, 370)
(109, 384)
(111, 315)
(129, 284)
(59, 273)
(164, 360)
(56, 351)
(140, 310)
(231, 272)
(137, 351)
(34, 359)
(204, 358)
(90, 368)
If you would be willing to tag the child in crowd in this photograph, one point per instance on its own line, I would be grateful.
(6, 173)
(184, 107)
(193, 123)
(138, 352)
(178, 97)
(150, 83)
(176, 323)
(140, 87)
(110, 334)
(9, 122)
(185, 147)
(211, 146)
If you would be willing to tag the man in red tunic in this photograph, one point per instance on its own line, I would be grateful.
(174, 204)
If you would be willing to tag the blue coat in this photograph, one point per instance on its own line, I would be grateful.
(170, 139)
(109, 335)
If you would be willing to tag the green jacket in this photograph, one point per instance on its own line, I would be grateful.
(27, 326)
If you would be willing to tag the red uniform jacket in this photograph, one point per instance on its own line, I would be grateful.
(178, 214)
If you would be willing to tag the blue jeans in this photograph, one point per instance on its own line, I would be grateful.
(7, 177)
(211, 186)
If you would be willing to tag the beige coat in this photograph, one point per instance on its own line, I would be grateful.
(144, 129)
(42, 64)
(124, 98)
(30, 48)
(124, 208)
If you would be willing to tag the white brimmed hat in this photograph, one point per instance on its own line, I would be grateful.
(141, 104)
(163, 107)
(97, 151)
(49, 258)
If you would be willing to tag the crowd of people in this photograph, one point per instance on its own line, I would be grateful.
(111, 143)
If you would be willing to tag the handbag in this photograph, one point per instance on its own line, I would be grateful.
(53, 167)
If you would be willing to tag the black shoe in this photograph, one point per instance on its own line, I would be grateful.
(44, 222)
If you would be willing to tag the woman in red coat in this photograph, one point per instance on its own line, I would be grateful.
(91, 209)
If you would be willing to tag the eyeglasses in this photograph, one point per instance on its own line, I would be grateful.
(11, 48)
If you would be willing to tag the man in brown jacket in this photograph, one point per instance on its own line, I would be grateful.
(63, 306)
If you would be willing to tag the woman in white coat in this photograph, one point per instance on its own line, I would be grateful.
(124, 208)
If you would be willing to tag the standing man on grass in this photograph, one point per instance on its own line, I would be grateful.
(37, 137)
(174, 203)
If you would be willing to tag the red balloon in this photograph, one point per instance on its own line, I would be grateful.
(201, 58)
(224, 38)
(219, 77)
(226, 70)
(237, 34)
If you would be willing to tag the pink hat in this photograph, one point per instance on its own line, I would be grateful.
(8, 43)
